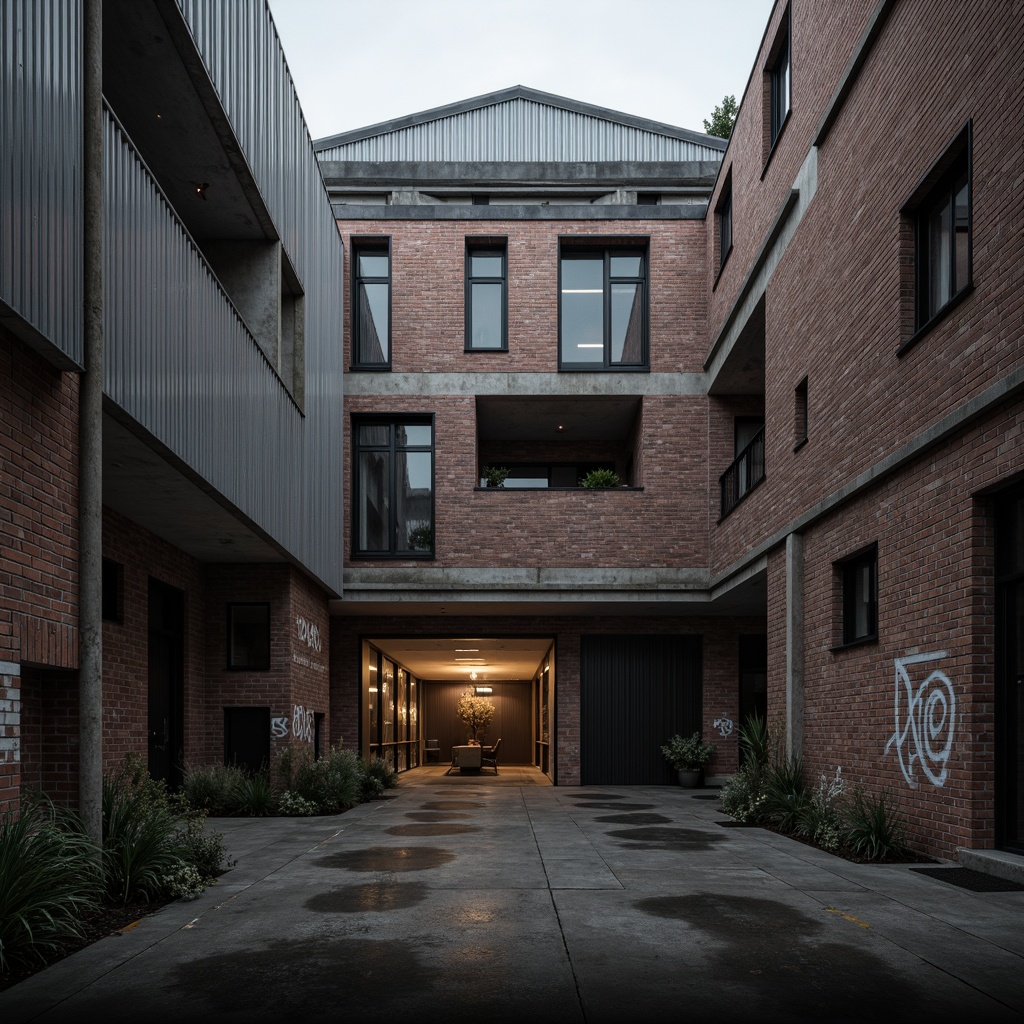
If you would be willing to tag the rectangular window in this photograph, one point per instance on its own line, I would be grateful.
(113, 585)
(530, 476)
(393, 489)
(486, 298)
(779, 84)
(249, 636)
(860, 596)
(371, 309)
(603, 309)
(943, 250)
(800, 415)
(723, 216)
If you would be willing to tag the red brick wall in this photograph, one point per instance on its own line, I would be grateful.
(38, 533)
(428, 291)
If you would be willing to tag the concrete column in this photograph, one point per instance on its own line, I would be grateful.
(794, 645)
(90, 509)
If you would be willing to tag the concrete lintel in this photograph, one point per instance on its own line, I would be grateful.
(417, 580)
(512, 211)
(570, 385)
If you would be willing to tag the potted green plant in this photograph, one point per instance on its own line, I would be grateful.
(495, 475)
(600, 478)
(689, 756)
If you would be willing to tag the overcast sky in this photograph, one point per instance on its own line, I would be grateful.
(360, 62)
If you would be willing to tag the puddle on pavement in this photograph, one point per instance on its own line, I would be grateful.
(777, 952)
(374, 897)
(668, 838)
(634, 819)
(617, 807)
(387, 858)
(307, 974)
(437, 829)
(436, 815)
(450, 805)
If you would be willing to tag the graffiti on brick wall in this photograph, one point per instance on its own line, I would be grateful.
(308, 633)
(301, 724)
(925, 718)
(724, 726)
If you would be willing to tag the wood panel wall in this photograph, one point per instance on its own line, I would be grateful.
(512, 720)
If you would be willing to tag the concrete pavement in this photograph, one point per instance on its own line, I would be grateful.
(497, 901)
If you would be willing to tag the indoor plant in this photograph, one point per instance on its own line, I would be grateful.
(474, 712)
(689, 756)
(495, 475)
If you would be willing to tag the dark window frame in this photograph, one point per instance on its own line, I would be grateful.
(392, 422)
(939, 187)
(256, 664)
(779, 91)
(580, 467)
(112, 601)
(608, 249)
(849, 570)
(479, 247)
(723, 223)
(801, 415)
(370, 246)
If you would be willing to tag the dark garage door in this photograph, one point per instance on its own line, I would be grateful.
(635, 692)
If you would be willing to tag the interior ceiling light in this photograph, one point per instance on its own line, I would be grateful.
(465, 650)
(478, 661)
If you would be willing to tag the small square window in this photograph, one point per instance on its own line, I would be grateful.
(249, 636)
(860, 596)
(486, 297)
(371, 308)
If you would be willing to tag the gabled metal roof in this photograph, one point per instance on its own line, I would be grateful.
(520, 124)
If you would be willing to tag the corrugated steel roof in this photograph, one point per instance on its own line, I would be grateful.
(520, 124)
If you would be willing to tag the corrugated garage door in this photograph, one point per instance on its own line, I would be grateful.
(635, 692)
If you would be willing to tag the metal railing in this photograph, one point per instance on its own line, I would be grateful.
(744, 474)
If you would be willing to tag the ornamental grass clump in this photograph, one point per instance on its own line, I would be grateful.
(744, 794)
(49, 879)
(874, 828)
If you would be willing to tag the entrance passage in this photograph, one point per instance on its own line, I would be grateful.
(636, 692)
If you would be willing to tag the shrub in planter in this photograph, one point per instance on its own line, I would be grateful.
(600, 478)
(744, 794)
(49, 878)
(689, 753)
(495, 475)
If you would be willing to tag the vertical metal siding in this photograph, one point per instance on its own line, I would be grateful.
(636, 692)
(521, 130)
(41, 168)
(243, 55)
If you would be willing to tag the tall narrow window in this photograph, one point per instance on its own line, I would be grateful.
(393, 489)
(800, 415)
(778, 71)
(249, 636)
(723, 218)
(603, 309)
(486, 297)
(860, 596)
(371, 312)
(944, 242)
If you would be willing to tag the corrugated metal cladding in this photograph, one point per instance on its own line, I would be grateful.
(521, 130)
(41, 167)
(180, 361)
(635, 693)
(243, 55)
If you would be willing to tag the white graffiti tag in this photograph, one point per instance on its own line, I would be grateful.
(308, 633)
(925, 720)
(302, 723)
(724, 726)
(279, 727)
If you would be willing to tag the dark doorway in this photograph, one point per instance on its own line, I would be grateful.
(753, 679)
(247, 738)
(635, 693)
(1010, 672)
(166, 682)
